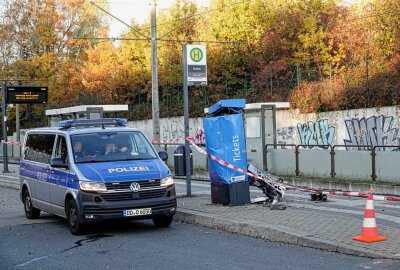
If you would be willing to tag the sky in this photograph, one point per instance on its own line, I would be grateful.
(138, 10)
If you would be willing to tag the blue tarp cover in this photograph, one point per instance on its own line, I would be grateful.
(225, 139)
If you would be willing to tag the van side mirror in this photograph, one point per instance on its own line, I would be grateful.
(58, 163)
(163, 155)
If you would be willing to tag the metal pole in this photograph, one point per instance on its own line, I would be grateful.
(297, 152)
(367, 86)
(373, 160)
(17, 125)
(262, 118)
(186, 121)
(333, 173)
(154, 74)
(4, 122)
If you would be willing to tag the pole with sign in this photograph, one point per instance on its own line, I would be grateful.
(194, 73)
(4, 123)
(18, 94)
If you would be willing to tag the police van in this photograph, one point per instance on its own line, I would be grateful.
(91, 170)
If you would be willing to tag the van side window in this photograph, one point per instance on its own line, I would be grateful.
(39, 147)
(61, 149)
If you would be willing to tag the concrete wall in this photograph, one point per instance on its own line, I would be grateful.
(378, 126)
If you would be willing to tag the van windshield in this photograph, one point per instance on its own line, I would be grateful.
(111, 146)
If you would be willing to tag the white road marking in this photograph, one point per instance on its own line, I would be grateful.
(31, 261)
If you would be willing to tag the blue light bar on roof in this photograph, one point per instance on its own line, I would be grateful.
(121, 122)
(65, 123)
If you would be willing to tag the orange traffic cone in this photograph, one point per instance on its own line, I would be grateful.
(369, 231)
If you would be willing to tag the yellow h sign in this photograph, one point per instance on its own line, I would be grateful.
(196, 55)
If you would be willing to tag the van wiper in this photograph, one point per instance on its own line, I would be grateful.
(92, 161)
(124, 159)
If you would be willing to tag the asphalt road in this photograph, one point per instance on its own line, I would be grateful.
(46, 243)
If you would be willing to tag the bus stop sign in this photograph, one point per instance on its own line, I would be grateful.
(196, 65)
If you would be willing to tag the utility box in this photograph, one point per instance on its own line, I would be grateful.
(179, 161)
(225, 140)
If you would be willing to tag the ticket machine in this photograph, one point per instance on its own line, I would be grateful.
(225, 140)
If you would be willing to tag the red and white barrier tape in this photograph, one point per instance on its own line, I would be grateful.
(271, 181)
(12, 142)
(167, 141)
(230, 166)
(361, 194)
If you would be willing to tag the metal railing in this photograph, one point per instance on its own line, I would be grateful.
(13, 152)
(332, 153)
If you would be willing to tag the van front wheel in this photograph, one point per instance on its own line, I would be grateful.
(162, 221)
(30, 211)
(75, 225)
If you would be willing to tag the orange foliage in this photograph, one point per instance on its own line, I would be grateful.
(318, 96)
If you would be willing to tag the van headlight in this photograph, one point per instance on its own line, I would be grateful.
(92, 186)
(167, 181)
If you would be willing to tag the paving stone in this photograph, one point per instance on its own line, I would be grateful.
(295, 225)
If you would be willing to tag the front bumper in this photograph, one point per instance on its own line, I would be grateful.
(95, 207)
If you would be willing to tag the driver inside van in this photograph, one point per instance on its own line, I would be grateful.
(116, 149)
(111, 148)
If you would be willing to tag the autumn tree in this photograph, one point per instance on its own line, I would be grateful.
(38, 40)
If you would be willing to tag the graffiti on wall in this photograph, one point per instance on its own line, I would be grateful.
(285, 134)
(375, 130)
(172, 129)
(318, 132)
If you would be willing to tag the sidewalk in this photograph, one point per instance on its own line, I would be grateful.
(295, 225)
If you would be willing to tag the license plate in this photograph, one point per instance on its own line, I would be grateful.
(137, 212)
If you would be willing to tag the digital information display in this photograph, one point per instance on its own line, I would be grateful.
(22, 94)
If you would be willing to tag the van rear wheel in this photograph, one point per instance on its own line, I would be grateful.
(30, 211)
(74, 224)
(162, 221)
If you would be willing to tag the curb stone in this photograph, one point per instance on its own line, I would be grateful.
(9, 184)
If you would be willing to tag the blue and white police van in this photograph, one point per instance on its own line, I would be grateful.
(91, 170)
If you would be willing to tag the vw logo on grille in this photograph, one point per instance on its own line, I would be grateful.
(135, 187)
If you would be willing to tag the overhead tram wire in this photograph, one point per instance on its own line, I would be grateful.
(124, 23)
(111, 38)
(203, 41)
(25, 80)
(199, 14)
(167, 40)
(188, 17)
